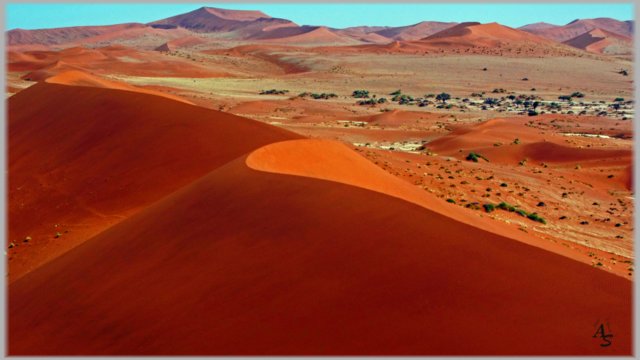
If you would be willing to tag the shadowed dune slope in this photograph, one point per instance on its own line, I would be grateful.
(84, 156)
(415, 31)
(252, 262)
(304, 35)
(488, 35)
(602, 42)
(581, 26)
(334, 161)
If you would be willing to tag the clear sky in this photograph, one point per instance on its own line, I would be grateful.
(48, 15)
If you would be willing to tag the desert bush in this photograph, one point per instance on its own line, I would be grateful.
(443, 97)
(360, 94)
(273, 92)
(367, 102)
(475, 156)
(507, 207)
(537, 218)
(490, 101)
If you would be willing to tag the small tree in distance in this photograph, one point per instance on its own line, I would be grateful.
(443, 97)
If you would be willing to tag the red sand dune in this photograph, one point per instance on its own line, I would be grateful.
(537, 26)
(182, 42)
(142, 38)
(240, 23)
(63, 35)
(266, 52)
(602, 42)
(533, 146)
(469, 37)
(397, 117)
(51, 70)
(483, 35)
(373, 38)
(87, 163)
(255, 262)
(115, 59)
(581, 26)
(365, 33)
(334, 161)
(416, 31)
(304, 35)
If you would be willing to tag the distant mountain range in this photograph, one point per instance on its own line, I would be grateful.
(206, 24)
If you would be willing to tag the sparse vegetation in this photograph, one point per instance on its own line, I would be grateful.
(316, 96)
(475, 156)
(360, 94)
(273, 92)
(443, 97)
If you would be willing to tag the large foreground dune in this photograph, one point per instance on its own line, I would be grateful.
(78, 167)
(272, 247)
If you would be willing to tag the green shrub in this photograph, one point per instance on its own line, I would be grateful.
(489, 207)
(443, 97)
(273, 92)
(504, 206)
(360, 94)
(474, 157)
(537, 218)
(367, 102)
(522, 212)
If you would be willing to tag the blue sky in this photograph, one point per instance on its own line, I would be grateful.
(48, 15)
